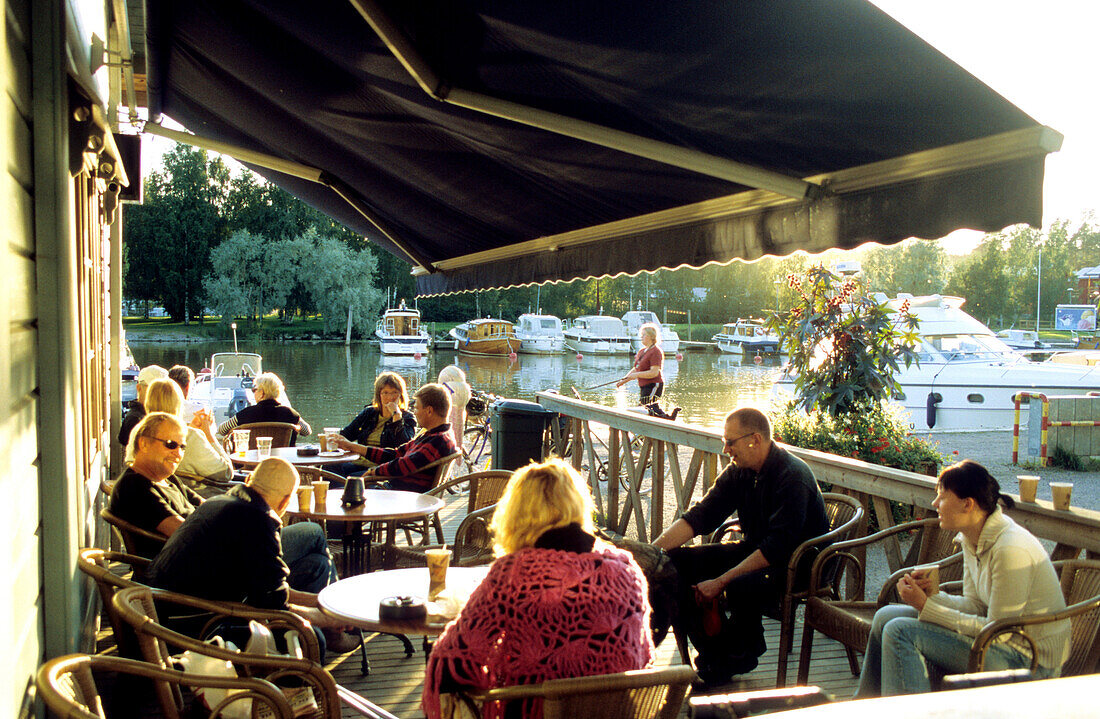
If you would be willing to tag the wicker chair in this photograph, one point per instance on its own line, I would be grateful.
(843, 514)
(282, 434)
(67, 686)
(137, 607)
(849, 621)
(96, 563)
(133, 538)
(423, 528)
(472, 543)
(638, 694)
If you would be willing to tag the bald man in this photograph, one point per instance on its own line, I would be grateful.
(230, 549)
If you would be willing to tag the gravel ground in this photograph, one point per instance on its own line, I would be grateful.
(994, 451)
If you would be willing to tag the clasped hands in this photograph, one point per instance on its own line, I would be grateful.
(914, 588)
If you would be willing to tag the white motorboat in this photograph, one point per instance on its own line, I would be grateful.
(747, 337)
(967, 377)
(399, 332)
(225, 384)
(597, 335)
(540, 334)
(670, 340)
(1022, 340)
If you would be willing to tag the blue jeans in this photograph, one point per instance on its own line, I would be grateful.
(305, 550)
(900, 645)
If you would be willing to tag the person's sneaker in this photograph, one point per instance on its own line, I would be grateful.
(341, 642)
(713, 677)
(675, 412)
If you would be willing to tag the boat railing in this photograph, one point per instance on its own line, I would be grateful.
(662, 467)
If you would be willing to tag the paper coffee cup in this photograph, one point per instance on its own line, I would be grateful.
(1061, 492)
(305, 497)
(320, 492)
(438, 561)
(263, 445)
(932, 572)
(1029, 483)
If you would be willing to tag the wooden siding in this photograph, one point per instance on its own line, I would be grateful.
(20, 525)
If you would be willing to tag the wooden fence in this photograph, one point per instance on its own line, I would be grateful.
(662, 459)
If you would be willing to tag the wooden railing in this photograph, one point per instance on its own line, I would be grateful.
(673, 459)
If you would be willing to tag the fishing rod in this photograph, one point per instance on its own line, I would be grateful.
(597, 386)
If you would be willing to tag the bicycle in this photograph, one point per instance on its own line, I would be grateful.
(477, 436)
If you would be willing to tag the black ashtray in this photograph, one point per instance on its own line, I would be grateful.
(308, 451)
(402, 608)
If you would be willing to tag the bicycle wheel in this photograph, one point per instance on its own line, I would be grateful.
(476, 452)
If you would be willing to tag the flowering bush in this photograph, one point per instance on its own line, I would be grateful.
(878, 434)
(844, 346)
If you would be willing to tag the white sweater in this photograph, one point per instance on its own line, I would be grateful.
(1007, 574)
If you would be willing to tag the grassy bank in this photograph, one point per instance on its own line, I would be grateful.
(270, 328)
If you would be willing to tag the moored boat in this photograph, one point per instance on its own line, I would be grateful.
(597, 335)
(225, 384)
(485, 337)
(399, 332)
(967, 377)
(539, 334)
(670, 340)
(747, 336)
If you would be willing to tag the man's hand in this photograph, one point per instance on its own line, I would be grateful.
(911, 593)
(708, 590)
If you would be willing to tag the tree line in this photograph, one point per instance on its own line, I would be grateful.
(207, 241)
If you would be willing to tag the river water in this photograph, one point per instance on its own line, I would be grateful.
(329, 383)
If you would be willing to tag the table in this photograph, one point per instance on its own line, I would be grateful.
(355, 600)
(381, 505)
(252, 457)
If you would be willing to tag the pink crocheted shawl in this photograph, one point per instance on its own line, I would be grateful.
(545, 614)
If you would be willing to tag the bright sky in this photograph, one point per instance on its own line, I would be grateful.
(1042, 57)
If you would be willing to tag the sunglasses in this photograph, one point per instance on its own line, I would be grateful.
(169, 443)
(731, 442)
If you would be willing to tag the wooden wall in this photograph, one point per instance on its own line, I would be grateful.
(20, 520)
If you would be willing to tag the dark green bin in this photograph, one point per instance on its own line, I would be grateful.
(518, 427)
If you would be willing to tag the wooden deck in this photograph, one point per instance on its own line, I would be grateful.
(395, 681)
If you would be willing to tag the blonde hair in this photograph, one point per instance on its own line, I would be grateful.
(270, 384)
(164, 395)
(653, 330)
(390, 379)
(540, 497)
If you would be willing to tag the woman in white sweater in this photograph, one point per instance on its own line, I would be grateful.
(1006, 572)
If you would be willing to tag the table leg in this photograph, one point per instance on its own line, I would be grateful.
(364, 666)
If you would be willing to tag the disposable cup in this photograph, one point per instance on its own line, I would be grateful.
(240, 440)
(1061, 491)
(263, 445)
(438, 561)
(1029, 483)
(320, 492)
(932, 571)
(330, 437)
(322, 440)
(305, 496)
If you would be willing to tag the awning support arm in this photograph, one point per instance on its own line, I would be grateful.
(663, 152)
(294, 169)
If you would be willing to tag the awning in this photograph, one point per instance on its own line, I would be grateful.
(638, 135)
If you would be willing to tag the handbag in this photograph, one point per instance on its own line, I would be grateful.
(192, 662)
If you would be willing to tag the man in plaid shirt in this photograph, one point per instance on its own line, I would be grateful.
(404, 466)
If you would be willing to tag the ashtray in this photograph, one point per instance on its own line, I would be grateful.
(400, 608)
(308, 451)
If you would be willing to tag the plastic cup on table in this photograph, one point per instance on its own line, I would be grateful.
(240, 440)
(330, 437)
(305, 496)
(438, 561)
(263, 446)
(320, 492)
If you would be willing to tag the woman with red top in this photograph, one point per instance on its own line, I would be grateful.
(647, 370)
(557, 603)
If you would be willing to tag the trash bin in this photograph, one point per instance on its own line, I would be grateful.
(518, 427)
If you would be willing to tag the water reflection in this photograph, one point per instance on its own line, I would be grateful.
(330, 383)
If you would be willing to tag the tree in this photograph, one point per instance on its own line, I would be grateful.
(169, 237)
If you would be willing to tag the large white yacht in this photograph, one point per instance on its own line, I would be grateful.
(399, 332)
(540, 334)
(967, 377)
(670, 340)
(597, 335)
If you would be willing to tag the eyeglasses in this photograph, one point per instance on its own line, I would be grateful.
(169, 443)
(731, 442)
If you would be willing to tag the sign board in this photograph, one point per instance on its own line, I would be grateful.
(1075, 317)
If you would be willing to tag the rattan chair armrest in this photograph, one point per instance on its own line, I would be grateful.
(363, 707)
(846, 546)
(479, 517)
(588, 684)
(814, 542)
(438, 490)
(1015, 625)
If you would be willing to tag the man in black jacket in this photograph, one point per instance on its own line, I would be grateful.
(779, 505)
(229, 549)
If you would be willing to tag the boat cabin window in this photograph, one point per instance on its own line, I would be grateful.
(975, 398)
(967, 346)
(548, 324)
(899, 396)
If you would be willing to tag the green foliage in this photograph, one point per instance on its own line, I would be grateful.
(878, 433)
(844, 346)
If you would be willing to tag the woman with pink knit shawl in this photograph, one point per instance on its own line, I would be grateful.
(557, 603)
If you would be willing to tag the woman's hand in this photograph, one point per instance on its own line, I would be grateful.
(340, 442)
(920, 576)
(911, 593)
(392, 410)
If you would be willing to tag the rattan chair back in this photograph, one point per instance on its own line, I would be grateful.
(134, 539)
(282, 434)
